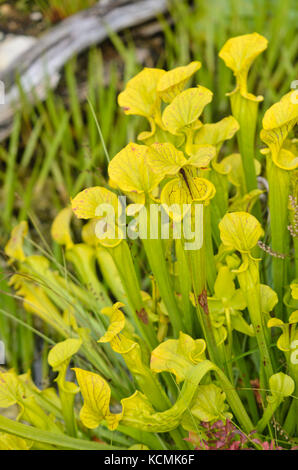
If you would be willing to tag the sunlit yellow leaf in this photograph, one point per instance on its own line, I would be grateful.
(178, 356)
(185, 110)
(130, 170)
(140, 96)
(88, 233)
(165, 159)
(37, 302)
(289, 331)
(209, 404)
(233, 166)
(268, 298)
(139, 447)
(11, 442)
(225, 306)
(38, 264)
(240, 231)
(60, 229)
(178, 194)
(202, 190)
(238, 53)
(238, 323)
(281, 113)
(217, 133)
(161, 136)
(136, 407)
(201, 155)
(176, 199)
(108, 233)
(59, 358)
(117, 322)
(224, 287)
(172, 82)
(123, 345)
(281, 386)
(293, 317)
(83, 257)
(11, 389)
(14, 247)
(275, 322)
(62, 352)
(101, 204)
(92, 202)
(294, 289)
(195, 189)
(278, 121)
(96, 394)
(131, 352)
(286, 160)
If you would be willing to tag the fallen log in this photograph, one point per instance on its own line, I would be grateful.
(38, 68)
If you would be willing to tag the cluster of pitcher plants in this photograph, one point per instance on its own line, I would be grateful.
(172, 321)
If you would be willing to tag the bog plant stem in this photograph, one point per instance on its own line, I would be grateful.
(229, 345)
(124, 263)
(234, 401)
(155, 254)
(195, 262)
(67, 403)
(250, 284)
(197, 266)
(291, 419)
(246, 111)
(291, 422)
(185, 287)
(219, 205)
(210, 260)
(279, 183)
(244, 375)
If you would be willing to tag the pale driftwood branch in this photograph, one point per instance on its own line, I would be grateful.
(38, 68)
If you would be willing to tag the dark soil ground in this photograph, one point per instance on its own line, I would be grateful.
(16, 20)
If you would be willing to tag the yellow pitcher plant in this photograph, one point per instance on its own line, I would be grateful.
(169, 303)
